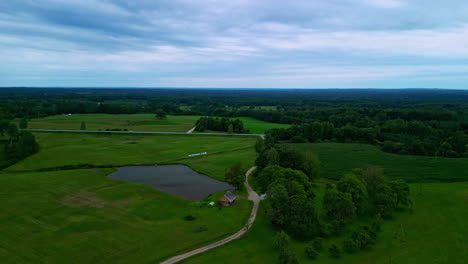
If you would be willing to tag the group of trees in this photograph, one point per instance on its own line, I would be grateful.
(396, 136)
(220, 124)
(17, 144)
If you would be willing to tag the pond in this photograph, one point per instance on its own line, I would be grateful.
(178, 180)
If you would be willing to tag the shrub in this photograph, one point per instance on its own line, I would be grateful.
(350, 245)
(317, 243)
(334, 251)
(189, 217)
(311, 252)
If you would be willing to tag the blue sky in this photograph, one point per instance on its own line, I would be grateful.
(235, 43)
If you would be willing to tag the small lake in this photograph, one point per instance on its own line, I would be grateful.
(178, 180)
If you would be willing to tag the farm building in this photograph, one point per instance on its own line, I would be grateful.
(227, 199)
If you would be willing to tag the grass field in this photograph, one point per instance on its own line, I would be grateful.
(256, 126)
(339, 158)
(137, 122)
(133, 122)
(81, 216)
(435, 233)
(60, 149)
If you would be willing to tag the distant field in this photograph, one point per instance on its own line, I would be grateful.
(60, 149)
(436, 232)
(133, 122)
(137, 122)
(256, 126)
(339, 158)
(81, 216)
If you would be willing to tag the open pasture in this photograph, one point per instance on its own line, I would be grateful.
(340, 158)
(131, 122)
(63, 149)
(81, 216)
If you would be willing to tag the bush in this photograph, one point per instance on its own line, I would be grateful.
(281, 241)
(350, 245)
(317, 243)
(334, 251)
(311, 252)
(189, 218)
(298, 139)
(287, 256)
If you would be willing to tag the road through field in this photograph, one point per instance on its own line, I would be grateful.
(139, 132)
(253, 196)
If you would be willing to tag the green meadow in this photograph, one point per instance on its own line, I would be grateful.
(340, 158)
(62, 149)
(137, 122)
(256, 126)
(131, 122)
(81, 216)
(434, 232)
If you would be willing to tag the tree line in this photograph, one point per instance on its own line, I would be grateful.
(220, 124)
(17, 144)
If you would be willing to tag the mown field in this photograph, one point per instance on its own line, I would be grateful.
(131, 122)
(340, 158)
(256, 126)
(61, 149)
(435, 232)
(81, 216)
(137, 122)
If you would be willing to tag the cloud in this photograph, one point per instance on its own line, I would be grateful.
(229, 43)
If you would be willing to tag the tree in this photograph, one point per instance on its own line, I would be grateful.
(334, 251)
(272, 157)
(310, 165)
(338, 205)
(373, 177)
(311, 252)
(351, 184)
(385, 200)
(235, 175)
(83, 125)
(351, 245)
(259, 145)
(287, 256)
(23, 123)
(281, 240)
(160, 114)
(230, 129)
(401, 189)
(302, 221)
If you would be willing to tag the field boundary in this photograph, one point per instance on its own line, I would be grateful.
(139, 132)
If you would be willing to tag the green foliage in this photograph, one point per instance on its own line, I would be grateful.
(311, 252)
(334, 251)
(23, 123)
(351, 245)
(353, 185)
(235, 175)
(220, 124)
(281, 241)
(161, 114)
(287, 256)
(260, 145)
(338, 206)
(83, 126)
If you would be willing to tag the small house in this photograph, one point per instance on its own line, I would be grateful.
(227, 199)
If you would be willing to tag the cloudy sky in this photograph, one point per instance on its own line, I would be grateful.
(235, 43)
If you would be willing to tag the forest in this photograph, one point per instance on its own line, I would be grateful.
(419, 122)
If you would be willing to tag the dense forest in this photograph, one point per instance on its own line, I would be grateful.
(425, 122)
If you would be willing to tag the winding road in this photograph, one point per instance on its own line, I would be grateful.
(253, 196)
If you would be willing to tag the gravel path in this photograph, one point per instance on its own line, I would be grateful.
(253, 196)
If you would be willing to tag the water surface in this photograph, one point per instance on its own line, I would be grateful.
(178, 180)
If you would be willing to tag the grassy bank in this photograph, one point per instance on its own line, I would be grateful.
(81, 216)
(434, 233)
(339, 158)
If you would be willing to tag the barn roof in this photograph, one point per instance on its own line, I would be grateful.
(230, 196)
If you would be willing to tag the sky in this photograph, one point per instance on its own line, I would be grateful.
(235, 43)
